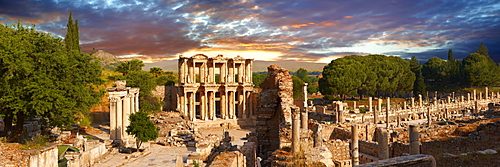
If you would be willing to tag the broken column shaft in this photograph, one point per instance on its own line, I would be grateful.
(383, 144)
(414, 143)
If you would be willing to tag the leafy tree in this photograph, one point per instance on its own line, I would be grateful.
(342, 76)
(72, 39)
(419, 86)
(482, 50)
(297, 88)
(480, 70)
(40, 78)
(146, 82)
(128, 66)
(257, 79)
(168, 78)
(303, 75)
(434, 71)
(157, 71)
(366, 75)
(142, 128)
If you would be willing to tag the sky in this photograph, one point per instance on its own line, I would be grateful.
(273, 30)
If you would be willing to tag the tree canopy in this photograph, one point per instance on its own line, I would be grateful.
(366, 75)
(477, 69)
(128, 66)
(40, 78)
(480, 70)
(142, 128)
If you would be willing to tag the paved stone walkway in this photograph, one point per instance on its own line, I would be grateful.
(164, 156)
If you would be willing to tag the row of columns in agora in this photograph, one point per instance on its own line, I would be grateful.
(123, 101)
(217, 87)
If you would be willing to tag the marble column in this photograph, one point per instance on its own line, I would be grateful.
(429, 116)
(119, 119)
(387, 112)
(303, 121)
(203, 106)
(241, 104)
(354, 145)
(414, 141)
(249, 103)
(211, 105)
(412, 102)
(304, 93)
(126, 114)
(295, 130)
(113, 104)
(420, 102)
(192, 106)
(474, 97)
(486, 93)
(370, 105)
(231, 110)
(223, 105)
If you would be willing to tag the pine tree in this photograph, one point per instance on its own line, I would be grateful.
(72, 39)
(482, 50)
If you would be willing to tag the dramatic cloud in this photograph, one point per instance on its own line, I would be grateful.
(303, 30)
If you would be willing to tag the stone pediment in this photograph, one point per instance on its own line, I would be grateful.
(199, 56)
(238, 58)
(219, 57)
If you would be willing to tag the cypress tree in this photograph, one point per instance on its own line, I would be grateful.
(72, 39)
(450, 55)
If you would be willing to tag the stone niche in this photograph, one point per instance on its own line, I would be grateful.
(274, 119)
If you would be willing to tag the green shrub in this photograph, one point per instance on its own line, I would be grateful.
(38, 142)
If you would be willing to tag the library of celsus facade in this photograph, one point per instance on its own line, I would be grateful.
(211, 88)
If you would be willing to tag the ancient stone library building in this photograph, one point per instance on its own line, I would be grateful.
(212, 87)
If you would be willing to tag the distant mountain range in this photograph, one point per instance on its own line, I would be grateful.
(258, 65)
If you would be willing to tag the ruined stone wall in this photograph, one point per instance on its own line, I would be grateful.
(322, 116)
(273, 123)
(229, 159)
(339, 149)
(93, 152)
(370, 148)
(168, 94)
(46, 156)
